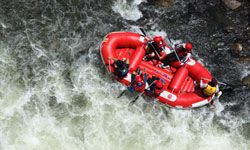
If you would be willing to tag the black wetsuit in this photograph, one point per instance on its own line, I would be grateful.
(122, 69)
(172, 56)
(153, 46)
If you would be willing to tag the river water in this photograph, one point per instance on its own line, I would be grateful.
(56, 94)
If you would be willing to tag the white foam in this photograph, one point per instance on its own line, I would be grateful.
(128, 10)
(3, 25)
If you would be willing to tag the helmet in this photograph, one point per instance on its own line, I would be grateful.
(157, 39)
(123, 72)
(138, 78)
(188, 46)
(119, 63)
(213, 82)
(159, 84)
(139, 84)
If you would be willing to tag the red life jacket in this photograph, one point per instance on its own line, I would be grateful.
(157, 92)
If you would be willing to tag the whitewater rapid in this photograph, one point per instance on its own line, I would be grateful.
(56, 94)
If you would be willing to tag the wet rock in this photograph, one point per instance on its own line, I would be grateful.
(237, 48)
(52, 101)
(232, 4)
(246, 80)
(55, 44)
(244, 59)
(247, 32)
(164, 2)
(246, 129)
(229, 29)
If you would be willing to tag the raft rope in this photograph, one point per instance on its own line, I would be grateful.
(109, 65)
(140, 94)
(173, 49)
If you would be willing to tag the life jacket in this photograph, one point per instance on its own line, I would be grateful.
(157, 91)
(138, 83)
(152, 47)
(209, 90)
(181, 51)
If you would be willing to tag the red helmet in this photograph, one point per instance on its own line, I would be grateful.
(188, 46)
(138, 78)
(159, 84)
(157, 39)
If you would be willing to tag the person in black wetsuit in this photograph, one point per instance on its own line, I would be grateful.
(183, 51)
(156, 87)
(155, 48)
(121, 68)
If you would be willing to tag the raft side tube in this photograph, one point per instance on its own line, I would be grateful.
(116, 40)
(136, 58)
(198, 71)
(178, 79)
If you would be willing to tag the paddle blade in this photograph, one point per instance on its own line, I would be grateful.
(133, 101)
(143, 32)
(121, 94)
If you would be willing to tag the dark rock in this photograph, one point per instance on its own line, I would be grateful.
(246, 80)
(164, 2)
(237, 48)
(52, 101)
(229, 29)
(244, 59)
(246, 129)
(232, 4)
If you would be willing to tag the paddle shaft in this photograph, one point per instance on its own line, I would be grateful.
(135, 99)
(144, 33)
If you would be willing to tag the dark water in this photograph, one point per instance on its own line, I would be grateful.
(56, 94)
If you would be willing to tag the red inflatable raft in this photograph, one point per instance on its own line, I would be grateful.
(181, 88)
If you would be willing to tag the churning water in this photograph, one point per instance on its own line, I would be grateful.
(56, 94)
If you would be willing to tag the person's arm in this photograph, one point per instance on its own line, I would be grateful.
(217, 88)
(164, 43)
(179, 49)
(165, 51)
(127, 61)
(115, 59)
(162, 55)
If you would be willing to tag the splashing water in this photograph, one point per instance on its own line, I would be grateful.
(56, 94)
(128, 10)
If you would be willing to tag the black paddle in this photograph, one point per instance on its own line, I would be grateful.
(144, 33)
(131, 83)
(225, 87)
(121, 94)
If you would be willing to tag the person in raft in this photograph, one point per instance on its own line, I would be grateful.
(155, 87)
(121, 68)
(210, 88)
(183, 51)
(157, 49)
(137, 82)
